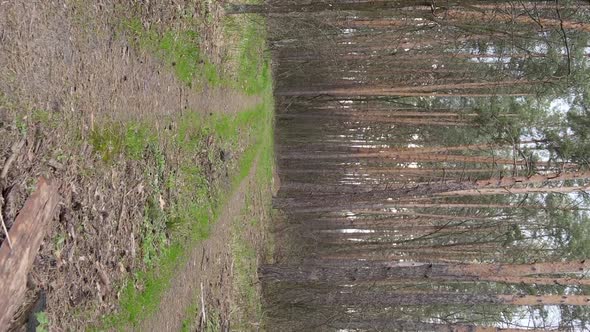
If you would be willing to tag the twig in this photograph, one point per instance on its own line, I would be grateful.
(202, 258)
(203, 312)
(5, 230)
(122, 209)
(567, 47)
(15, 149)
(530, 15)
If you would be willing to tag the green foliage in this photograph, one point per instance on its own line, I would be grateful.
(579, 245)
(58, 243)
(514, 234)
(153, 236)
(141, 296)
(257, 122)
(244, 272)
(248, 66)
(107, 141)
(248, 307)
(111, 140)
(571, 141)
(137, 137)
(251, 65)
(179, 49)
(44, 117)
(21, 125)
(43, 321)
(253, 70)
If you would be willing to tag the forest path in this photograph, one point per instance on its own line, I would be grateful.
(206, 277)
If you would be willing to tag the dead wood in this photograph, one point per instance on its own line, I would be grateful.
(28, 231)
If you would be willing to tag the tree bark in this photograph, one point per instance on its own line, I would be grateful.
(356, 271)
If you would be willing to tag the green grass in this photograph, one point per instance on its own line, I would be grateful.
(247, 304)
(113, 139)
(45, 118)
(179, 49)
(170, 230)
(43, 322)
(253, 70)
(250, 62)
(247, 309)
(211, 325)
(198, 203)
(246, 66)
(189, 314)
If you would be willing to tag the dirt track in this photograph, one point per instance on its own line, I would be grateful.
(210, 267)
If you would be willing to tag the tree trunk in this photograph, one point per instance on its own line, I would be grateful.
(320, 6)
(384, 298)
(352, 271)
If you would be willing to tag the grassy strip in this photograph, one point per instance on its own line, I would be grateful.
(170, 232)
(251, 64)
(180, 159)
(247, 313)
(246, 67)
(198, 203)
(246, 308)
(247, 304)
(180, 51)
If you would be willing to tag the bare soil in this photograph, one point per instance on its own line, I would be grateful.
(64, 67)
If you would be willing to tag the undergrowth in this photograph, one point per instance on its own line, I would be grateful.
(245, 68)
(184, 173)
(169, 231)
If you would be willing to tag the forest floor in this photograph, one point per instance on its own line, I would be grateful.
(156, 122)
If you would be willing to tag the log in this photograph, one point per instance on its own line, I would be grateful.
(27, 233)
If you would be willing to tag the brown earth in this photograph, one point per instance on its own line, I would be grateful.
(65, 68)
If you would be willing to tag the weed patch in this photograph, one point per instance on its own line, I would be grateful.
(249, 62)
(187, 186)
(179, 49)
(171, 230)
(114, 139)
(247, 65)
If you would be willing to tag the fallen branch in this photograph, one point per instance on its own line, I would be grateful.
(27, 233)
(203, 312)
(5, 229)
(15, 149)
